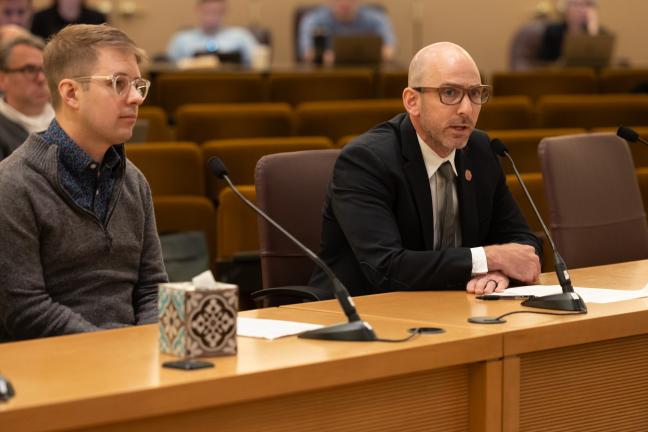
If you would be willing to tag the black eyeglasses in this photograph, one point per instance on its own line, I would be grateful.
(30, 71)
(121, 84)
(453, 95)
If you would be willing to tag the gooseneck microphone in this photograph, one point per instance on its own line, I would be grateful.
(630, 135)
(568, 300)
(355, 329)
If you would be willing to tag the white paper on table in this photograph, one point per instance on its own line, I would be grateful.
(271, 329)
(589, 295)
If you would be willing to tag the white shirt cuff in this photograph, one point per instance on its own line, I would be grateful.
(479, 262)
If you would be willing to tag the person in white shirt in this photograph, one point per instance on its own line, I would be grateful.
(25, 106)
(211, 36)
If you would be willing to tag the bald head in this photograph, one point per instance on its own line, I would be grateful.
(430, 62)
(444, 96)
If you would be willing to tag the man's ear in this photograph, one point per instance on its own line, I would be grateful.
(69, 91)
(411, 101)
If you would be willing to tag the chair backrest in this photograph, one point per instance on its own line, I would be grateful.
(533, 183)
(158, 128)
(589, 111)
(171, 168)
(523, 145)
(236, 227)
(596, 212)
(642, 178)
(204, 122)
(291, 188)
(178, 213)
(180, 88)
(240, 156)
(335, 84)
(639, 151)
(507, 112)
(623, 80)
(391, 84)
(336, 119)
(536, 83)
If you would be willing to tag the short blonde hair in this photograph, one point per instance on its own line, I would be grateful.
(73, 52)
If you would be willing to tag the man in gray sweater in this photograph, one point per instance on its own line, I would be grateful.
(79, 250)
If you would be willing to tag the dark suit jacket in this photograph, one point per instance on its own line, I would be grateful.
(377, 231)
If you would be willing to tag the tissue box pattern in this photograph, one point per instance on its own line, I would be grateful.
(199, 322)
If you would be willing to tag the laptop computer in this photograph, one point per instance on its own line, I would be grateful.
(587, 51)
(357, 49)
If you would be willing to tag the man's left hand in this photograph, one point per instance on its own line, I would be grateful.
(488, 283)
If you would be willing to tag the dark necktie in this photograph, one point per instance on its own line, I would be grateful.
(447, 221)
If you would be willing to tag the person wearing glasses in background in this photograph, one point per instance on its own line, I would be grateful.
(25, 106)
(79, 249)
(420, 202)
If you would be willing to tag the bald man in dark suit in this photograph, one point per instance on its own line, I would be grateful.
(420, 202)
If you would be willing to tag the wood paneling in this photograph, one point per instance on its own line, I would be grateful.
(600, 386)
(436, 400)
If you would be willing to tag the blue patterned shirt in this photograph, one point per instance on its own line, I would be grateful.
(90, 184)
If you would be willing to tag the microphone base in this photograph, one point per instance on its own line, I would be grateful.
(486, 320)
(351, 331)
(563, 301)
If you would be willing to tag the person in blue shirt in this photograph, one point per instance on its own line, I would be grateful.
(211, 35)
(344, 17)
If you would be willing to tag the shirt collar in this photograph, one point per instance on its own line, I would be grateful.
(73, 157)
(432, 160)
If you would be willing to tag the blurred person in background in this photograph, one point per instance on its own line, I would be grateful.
(344, 17)
(579, 17)
(528, 38)
(49, 21)
(212, 36)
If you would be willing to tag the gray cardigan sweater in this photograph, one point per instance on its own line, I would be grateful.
(61, 269)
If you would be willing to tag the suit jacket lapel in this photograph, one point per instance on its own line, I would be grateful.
(467, 198)
(418, 180)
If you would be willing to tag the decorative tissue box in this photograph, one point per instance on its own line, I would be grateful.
(196, 321)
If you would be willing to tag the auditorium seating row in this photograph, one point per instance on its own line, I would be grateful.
(335, 119)
(537, 83)
(171, 90)
(187, 197)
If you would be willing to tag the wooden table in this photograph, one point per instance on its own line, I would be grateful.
(113, 381)
(560, 373)
(534, 373)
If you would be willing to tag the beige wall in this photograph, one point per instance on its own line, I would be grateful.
(484, 27)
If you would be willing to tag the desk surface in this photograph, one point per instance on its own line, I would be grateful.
(116, 376)
(70, 381)
(522, 332)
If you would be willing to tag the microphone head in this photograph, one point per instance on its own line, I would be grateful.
(628, 134)
(499, 147)
(217, 167)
